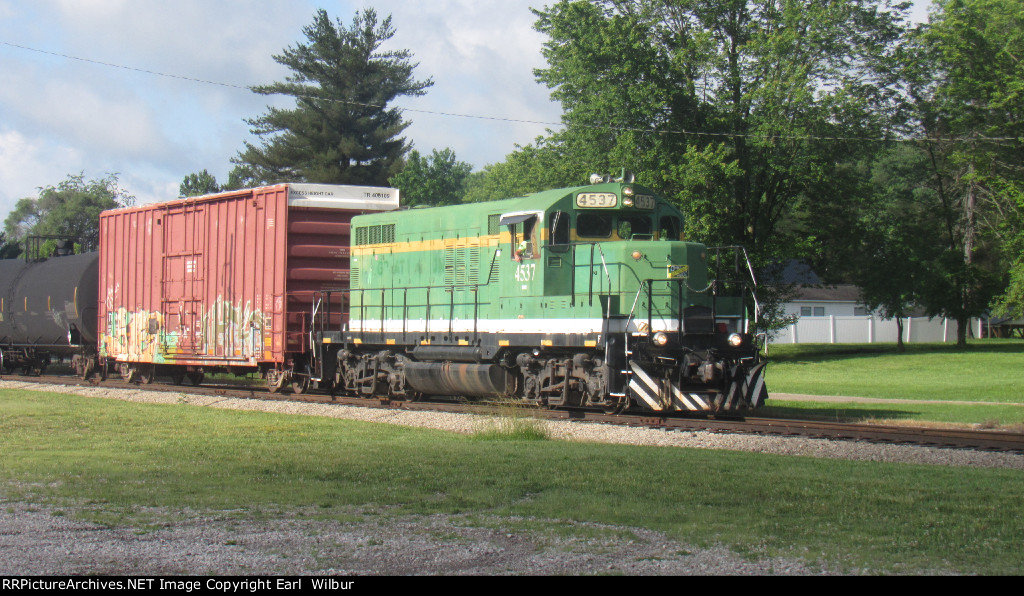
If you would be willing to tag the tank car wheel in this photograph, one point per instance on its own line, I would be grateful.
(86, 370)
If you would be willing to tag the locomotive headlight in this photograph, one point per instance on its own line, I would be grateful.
(628, 191)
(637, 255)
(660, 339)
(628, 202)
(735, 340)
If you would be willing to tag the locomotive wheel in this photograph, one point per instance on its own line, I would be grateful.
(616, 407)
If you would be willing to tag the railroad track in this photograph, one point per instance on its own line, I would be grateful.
(988, 440)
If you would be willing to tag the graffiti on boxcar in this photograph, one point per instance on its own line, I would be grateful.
(224, 329)
(235, 327)
(137, 335)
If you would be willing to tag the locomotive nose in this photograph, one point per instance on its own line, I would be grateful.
(656, 390)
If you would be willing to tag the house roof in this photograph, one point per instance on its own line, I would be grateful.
(793, 271)
(836, 293)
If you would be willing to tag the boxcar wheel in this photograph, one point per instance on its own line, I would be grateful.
(300, 378)
(129, 374)
(275, 380)
(195, 378)
(300, 383)
(146, 374)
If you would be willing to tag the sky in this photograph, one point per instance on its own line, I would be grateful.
(61, 116)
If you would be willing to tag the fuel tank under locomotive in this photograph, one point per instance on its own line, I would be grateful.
(47, 307)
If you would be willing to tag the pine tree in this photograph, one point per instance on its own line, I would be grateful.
(341, 130)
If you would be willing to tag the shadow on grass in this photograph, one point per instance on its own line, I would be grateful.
(838, 414)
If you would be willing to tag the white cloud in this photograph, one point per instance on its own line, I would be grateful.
(481, 55)
(81, 112)
(29, 163)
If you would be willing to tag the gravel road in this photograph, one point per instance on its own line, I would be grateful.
(40, 540)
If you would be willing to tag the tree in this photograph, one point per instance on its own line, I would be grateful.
(198, 184)
(775, 92)
(895, 235)
(71, 208)
(969, 87)
(740, 111)
(8, 250)
(341, 130)
(533, 168)
(435, 180)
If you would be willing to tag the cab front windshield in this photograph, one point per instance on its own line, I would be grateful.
(626, 226)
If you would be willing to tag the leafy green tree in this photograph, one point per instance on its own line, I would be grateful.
(895, 235)
(533, 168)
(8, 250)
(341, 130)
(198, 184)
(741, 111)
(969, 87)
(439, 179)
(71, 208)
(776, 93)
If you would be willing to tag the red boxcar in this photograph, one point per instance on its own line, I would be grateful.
(225, 280)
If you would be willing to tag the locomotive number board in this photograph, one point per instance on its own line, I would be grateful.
(596, 199)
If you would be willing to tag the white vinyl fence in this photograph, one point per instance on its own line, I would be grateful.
(867, 330)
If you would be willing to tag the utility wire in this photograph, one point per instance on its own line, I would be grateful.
(245, 88)
(502, 119)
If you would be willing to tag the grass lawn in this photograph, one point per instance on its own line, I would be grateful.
(118, 456)
(987, 371)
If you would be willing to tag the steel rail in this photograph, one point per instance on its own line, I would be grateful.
(958, 438)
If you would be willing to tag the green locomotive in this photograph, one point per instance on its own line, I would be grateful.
(574, 297)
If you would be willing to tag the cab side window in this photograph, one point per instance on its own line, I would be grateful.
(524, 239)
(558, 230)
